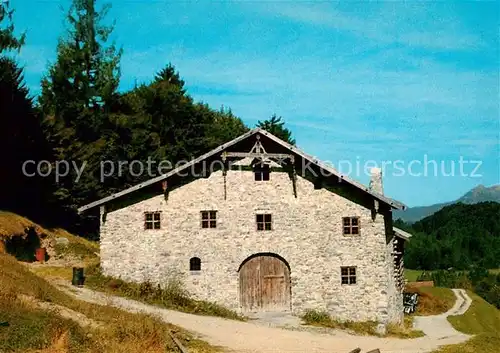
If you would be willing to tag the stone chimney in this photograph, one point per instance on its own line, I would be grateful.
(376, 181)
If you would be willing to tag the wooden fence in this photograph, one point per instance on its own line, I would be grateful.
(420, 284)
(178, 343)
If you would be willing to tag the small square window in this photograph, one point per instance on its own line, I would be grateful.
(261, 172)
(350, 225)
(209, 219)
(348, 275)
(264, 222)
(152, 220)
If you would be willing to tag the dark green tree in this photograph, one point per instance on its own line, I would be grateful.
(459, 236)
(21, 135)
(170, 75)
(78, 95)
(276, 126)
(21, 140)
(224, 126)
(8, 41)
(80, 87)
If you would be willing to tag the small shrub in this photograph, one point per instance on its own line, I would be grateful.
(451, 279)
(76, 250)
(322, 318)
(316, 317)
(146, 290)
(171, 294)
(424, 277)
(173, 291)
(115, 283)
(477, 274)
(404, 330)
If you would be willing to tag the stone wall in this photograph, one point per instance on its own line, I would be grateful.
(307, 233)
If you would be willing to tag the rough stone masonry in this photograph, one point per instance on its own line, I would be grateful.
(306, 231)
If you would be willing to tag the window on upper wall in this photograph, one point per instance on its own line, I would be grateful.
(350, 225)
(209, 219)
(152, 220)
(261, 172)
(348, 275)
(194, 264)
(264, 222)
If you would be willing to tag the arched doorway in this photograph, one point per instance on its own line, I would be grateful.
(265, 283)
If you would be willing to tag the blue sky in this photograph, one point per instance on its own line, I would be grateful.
(355, 81)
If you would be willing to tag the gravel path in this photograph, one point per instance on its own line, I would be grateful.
(252, 337)
(437, 326)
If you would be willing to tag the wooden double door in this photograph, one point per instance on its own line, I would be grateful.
(265, 284)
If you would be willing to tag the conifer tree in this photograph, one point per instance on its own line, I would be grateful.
(21, 136)
(77, 97)
(276, 126)
(81, 86)
(8, 41)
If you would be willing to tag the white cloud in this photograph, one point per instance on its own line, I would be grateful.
(415, 109)
(395, 22)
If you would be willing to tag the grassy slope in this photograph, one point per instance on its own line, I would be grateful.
(433, 300)
(482, 320)
(12, 225)
(31, 329)
(412, 275)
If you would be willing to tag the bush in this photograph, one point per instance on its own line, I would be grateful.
(322, 318)
(171, 294)
(479, 280)
(316, 317)
(451, 279)
(432, 300)
(424, 277)
(477, 273)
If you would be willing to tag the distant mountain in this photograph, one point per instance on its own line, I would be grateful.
(480, 193)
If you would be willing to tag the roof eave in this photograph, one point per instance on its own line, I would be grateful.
(402, 234)
(392, 203)
(172, 172)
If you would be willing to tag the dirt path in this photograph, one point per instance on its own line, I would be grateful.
(437, 326)
(249, 337)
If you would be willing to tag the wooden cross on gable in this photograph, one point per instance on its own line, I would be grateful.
(258, 151)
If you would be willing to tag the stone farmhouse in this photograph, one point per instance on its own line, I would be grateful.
(258, 225)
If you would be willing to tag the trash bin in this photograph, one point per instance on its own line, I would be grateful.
(78, 277)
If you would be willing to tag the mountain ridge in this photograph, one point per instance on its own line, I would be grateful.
(477, 194)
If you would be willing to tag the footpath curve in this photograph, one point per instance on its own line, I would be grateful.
(437, 326)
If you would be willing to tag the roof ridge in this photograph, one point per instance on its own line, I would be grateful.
(319, 163)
